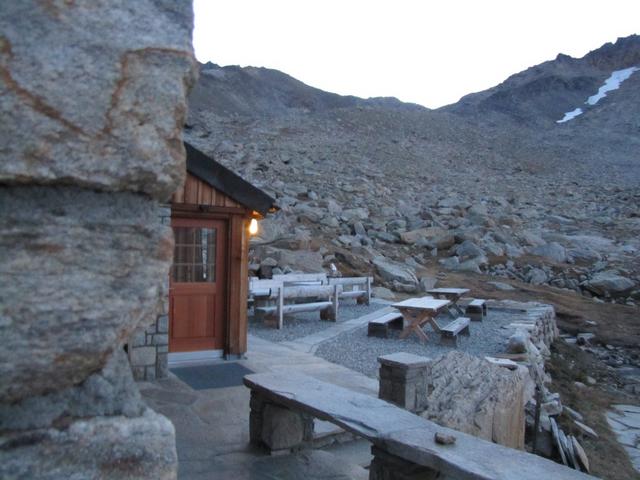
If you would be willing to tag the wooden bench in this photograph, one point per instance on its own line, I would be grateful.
(273, 300)
(354, 287)
(476, 309)
(381, 320)
(283, 407)
(449, 333)
(302, 279)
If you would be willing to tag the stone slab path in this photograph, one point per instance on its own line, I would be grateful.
(212, 425)
(625, 422)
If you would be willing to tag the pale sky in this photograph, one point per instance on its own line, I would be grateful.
(430, 52)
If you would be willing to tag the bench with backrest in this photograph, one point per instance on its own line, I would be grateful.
(273, 299)
(302, 278)
(404, 445)
(354, 287)
(476, 309)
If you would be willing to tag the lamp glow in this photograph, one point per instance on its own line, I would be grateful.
(253, 226)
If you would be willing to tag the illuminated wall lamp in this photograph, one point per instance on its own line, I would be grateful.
(253, 226)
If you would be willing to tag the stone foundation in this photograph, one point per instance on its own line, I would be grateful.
(386, 466)
(276, 427)
(148, 347)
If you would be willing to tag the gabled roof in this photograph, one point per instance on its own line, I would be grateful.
(227, 182)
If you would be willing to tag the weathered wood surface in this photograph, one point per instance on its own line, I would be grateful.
(198, 192)
(310, 278)
(455, 327)
(458, 292)
(350, 280)
(295, 307)
(404, 434)
(379, 321)
(423, 303)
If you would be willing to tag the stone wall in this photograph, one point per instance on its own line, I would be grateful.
(93, 100)
(148, 347)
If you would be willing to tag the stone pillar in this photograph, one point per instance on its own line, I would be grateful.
(403, 380)
(92, 102)
(277, 427)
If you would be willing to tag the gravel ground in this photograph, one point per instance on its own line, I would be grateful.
(307, 323)
(357, 351)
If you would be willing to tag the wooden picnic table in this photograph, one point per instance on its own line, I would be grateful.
(418, 312)
(451, 294)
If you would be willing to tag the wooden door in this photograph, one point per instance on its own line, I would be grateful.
(197, 287)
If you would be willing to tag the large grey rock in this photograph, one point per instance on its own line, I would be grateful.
(611, 282)
(467, 250)
(302, 260)
(79, 270)
(518, 342)
(390, 271)
(536, 276)
(471, 395)
(110, 391)
(95, 93)
(430, 233)
(110, 448)
(552, 251)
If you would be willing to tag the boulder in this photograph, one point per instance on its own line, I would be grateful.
(429, 233)
(383, 293)
(301, 260)
(518, 342)
(393, 271)
(472, 395)
(552, 251)
(609, 282)
(94, 103)
(467, 250)
(68, 245)
(94, 98)
(536, 276)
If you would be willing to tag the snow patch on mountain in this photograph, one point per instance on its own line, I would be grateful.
(570, 115)
(611, 83)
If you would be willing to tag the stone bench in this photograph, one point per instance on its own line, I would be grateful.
(449, 333)
(281, 419)
(476, 309)
(381, 320)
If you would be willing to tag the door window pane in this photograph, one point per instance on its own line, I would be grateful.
(194, 256)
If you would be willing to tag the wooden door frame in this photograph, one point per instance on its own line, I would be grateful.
(222, 258)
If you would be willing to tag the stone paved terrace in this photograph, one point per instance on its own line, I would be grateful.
(212, 426)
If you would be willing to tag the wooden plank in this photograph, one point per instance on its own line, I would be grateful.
(236, 294)
(448, 291)
(191, 190)
(424, 303)
(302, 277)
(295, 307)
(348, 280)
(304, 291)
(456, 326)
(401, 433)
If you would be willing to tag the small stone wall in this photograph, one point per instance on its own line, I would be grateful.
(148, 347)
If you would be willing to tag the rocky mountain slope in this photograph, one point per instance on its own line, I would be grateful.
(491, 184)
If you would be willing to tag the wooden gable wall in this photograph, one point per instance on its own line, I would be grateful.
(197, 192)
